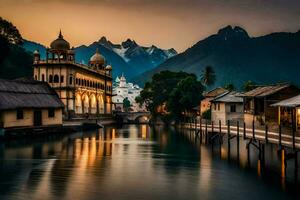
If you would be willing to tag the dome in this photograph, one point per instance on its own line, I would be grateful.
(60, 43)
(108, 67)
(97, 58)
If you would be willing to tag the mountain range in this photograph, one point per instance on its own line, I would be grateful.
(128, 57)
(236, 57)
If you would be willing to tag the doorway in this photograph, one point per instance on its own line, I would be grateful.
(37, 118)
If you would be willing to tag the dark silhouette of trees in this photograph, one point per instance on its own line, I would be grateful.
(171, 94)
(208, 76)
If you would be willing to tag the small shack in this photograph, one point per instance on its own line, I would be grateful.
(205, 104)
(289, 112)
(257, 103)
(28, 104)
(227, 106)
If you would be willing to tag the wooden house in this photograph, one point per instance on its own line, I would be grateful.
(205, 104)
(227, 106)
(257, 102)
(28, 104)
(289, 112)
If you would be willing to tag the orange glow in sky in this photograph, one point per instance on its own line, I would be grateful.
(169, 23)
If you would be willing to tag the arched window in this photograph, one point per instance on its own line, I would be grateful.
(50, 79)
(61, 79)
(43, 77)
(71, 80)
(84, 82)
(56, 79)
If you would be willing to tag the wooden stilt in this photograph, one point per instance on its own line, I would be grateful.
(244, 130)
(253, 130)
(238, 138)
(266, 134)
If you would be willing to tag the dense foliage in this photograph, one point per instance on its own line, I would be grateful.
(15, 62)
(170, 95)
(126, 104)
(9, 31)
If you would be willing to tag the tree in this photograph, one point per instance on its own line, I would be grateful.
(9, 31)
(208, 76)
(169, 94)
(126, 104)
(249, 85)
(229, 87)
(185, 97)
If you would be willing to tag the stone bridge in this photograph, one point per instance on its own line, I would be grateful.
(133, 117)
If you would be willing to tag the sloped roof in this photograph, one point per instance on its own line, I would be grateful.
(229, 97)
(215, 92)
(263, 91)
(291, 102)
(27, 94)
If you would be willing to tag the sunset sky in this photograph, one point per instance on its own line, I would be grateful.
(165, 23)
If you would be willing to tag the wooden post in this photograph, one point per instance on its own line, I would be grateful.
(279, 134)
(228, 132)
(244, 131)
(196, 124)
(238, 138)
(266, 134)
(253, 130)
(201, 125)
(206, 131)
(293, 127)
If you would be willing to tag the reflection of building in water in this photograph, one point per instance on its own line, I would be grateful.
(122, 90)
(144, 131)
(84, 89)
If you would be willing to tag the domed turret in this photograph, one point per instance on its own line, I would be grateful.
(60, 43)
(97, 58)
(97, 61)
(36, 56)
(108, 68)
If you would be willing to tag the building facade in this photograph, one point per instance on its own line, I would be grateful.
(122, 90)
(205, 103)
(257, 103)
(85, 90)
(28, 104)
(227, 107)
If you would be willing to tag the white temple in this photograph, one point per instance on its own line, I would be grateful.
(122, 90)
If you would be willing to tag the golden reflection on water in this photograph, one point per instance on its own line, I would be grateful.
(283, 169)
(144, 131)
(258, 168)
(224, 154)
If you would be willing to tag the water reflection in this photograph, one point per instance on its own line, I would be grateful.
(136, 162)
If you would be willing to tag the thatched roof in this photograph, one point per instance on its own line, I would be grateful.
(229, 97)
(291, 102)
(215, 92)
(27, 94)
(263, 91)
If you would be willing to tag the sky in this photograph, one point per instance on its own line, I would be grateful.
(164, 23)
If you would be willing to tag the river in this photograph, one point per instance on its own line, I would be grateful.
(139, 162)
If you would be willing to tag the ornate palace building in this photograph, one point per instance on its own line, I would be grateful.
(84, 89)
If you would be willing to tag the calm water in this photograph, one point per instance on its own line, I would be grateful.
(139, 162)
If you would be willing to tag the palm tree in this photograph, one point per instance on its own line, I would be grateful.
(208, 76)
